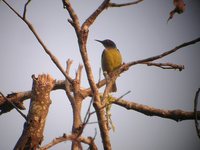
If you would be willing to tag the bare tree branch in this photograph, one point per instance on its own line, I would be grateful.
(165, 65)
(16, 98)
(196, 112)
(177, 115)
(88, 114)
(163, 54)
(25, 7)
(124, 4)
(89, 141)
(53, 58)
(79, 73)
(74, 22)
(67, 84)
(76, 103)
(115, 99)
(89, 21)
(13, 9)
(108, 87)
(13, 105)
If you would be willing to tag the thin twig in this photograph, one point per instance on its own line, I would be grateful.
(165, 65)
(95, 122)
(95, 133)
(93, 147)
(124, 4)
(25, 7)
(87, 115)
(123, 95)
(13, 9)
(53, 58)
(99, 75)
(104, 106)
(109, 83)
(23, 115)
(195, 112)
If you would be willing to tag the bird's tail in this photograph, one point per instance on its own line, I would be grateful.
(114, 87)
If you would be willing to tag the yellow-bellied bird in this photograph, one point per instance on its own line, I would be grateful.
(111, 59)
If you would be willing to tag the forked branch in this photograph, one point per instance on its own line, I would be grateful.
(89, 21)
(124, 67)
(165, 65)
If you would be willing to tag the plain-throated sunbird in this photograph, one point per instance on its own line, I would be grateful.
(111, 59)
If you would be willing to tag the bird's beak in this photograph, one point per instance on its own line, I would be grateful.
(99, 41)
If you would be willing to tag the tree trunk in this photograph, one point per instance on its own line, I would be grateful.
(32, 134)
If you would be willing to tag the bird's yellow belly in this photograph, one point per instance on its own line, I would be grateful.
(111, 60)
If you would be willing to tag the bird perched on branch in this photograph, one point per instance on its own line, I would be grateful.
(111, 59)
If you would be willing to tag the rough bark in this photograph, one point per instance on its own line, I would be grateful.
(32, 134)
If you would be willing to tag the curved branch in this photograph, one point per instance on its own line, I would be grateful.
(124, 4)
(196, 113)
(177, 115)
(89, 141)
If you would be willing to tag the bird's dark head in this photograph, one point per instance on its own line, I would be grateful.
(107, 43)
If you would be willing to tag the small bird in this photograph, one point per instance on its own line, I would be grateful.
(111, 59)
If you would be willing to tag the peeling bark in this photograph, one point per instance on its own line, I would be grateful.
(32, 135)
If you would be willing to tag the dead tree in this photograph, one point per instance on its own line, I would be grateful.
(32, 135)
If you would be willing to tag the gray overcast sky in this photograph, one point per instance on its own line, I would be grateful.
(139, 31)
